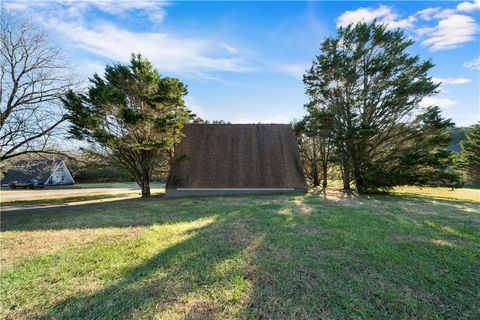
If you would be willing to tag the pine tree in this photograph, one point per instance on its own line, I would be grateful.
(470, 155)
(313, 137)
(366, 78)
(132, 116)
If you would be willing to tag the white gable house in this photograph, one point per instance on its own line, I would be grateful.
(46, 172)
(60, 175)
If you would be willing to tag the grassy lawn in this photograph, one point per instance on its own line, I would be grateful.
(271, 257)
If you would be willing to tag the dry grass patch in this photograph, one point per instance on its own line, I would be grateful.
(16, 246)
(441, 192)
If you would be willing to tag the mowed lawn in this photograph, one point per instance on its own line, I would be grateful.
(266, 257)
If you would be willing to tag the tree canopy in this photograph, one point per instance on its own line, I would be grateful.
(372, 86)
(313, 134)
(34, 76)
(132, 116)
(470, 155)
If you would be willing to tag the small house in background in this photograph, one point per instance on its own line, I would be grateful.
(221, 159)
(46, 172)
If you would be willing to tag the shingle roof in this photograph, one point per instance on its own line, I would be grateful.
(237, 156)
(34, 169)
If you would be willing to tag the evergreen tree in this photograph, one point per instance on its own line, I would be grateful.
(372, 86)
(470, 155)
(132, 116)
(313, 137)
(420, 155)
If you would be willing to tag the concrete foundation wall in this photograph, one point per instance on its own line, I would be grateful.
(188, 192)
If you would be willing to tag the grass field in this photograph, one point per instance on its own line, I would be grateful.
(273, 257)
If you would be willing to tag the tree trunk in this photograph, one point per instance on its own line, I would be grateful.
(359, 184)
(145, 188)
(346, 175)
(316, 180)
(324, 168)
(359, 181)
(346, 180)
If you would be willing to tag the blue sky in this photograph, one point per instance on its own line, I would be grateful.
(243, 61)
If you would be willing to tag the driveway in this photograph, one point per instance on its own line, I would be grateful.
(27, 194)
(57, 198)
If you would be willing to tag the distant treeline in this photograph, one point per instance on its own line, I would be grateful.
(457, 134)
(100, 173)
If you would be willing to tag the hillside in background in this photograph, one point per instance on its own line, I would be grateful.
(457, 134)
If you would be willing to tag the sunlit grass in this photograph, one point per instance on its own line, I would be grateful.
(466, 193)
(273, 257)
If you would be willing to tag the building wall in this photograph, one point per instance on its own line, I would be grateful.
(251, 156)
(60, 176)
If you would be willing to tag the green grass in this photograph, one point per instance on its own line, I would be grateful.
(271, 257)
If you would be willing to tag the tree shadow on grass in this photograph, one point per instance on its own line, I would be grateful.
(363, 264)
(257, 260)
(118, 213)
(205, 276)
(185, 279)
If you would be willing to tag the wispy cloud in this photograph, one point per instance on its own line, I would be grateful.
(86, 68)
(230, 49)
(193, 105)
(437, 28)
(444, 103)
(450, 32)
(154, 10)
(170, 52)
(286, 117)
(295, 70)
(469, 6)
(429, 13)
(15, 6)
(452, 81)
(383, 14)
(473, 64)
(452, 29)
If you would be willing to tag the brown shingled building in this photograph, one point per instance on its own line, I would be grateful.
(220, 159)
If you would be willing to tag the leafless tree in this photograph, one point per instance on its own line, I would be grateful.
(34, 75)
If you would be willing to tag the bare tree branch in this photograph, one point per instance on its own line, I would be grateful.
(34, 76)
